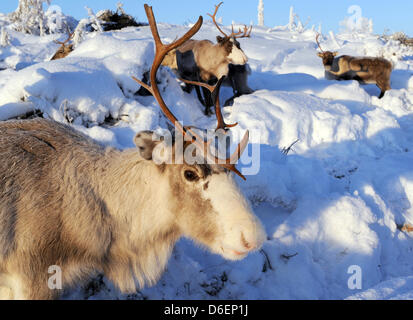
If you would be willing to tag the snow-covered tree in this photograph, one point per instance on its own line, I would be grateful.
(291, 22)
(78, 35)
(4, 38)
(29, 17)
(56, 21)
(261, 13)
(94, 20)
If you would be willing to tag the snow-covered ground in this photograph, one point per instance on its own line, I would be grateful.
(336, 200)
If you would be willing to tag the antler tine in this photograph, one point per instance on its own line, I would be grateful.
(161, 51)
(213, 16)
(70, 36)
(215, 96)
(247, 33)
(242, 34)
(318, 42)
(230, 163)
(233, 34)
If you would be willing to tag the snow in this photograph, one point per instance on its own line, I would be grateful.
(336, 200)
(395, 289)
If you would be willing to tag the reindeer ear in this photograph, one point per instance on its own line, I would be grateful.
(146, 142)
(335, 54)
(320, 54)
(220, 39)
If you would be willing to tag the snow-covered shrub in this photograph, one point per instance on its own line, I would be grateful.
(79, 32)
(116, 20)
(402, 38)
(94, 20)
(57, 22)
(399, 36)
(29, 17)
(295, 24)
(93, 23)
(4, 38)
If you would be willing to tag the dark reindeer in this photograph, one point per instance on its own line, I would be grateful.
(366, 70)
(204, 61)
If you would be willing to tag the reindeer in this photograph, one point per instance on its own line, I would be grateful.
(202, 60)
(64, 49)
(67, 201)
(366, 70)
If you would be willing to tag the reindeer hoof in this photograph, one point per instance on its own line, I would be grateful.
(229, 102)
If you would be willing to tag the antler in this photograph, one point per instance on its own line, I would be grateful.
(215, 96)
(213, 16)
(70, 35)
(242, 34)
(161, 51)
(318, 42)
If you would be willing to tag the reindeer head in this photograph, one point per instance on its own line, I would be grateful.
(327, 56)
(63, 51)
(232, 47)
(65, 48)
(205, 200)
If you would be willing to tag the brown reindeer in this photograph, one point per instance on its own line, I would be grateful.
(366, 70)
(204, 61)
(65, 48)
(67, 201)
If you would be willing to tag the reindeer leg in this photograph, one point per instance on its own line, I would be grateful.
(208, 101)
(383, 91)
(384, 86)
(199, 95)
(233, 84)
(187, 88)
(229, 102)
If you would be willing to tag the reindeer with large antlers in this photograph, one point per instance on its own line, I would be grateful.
(65, 47)
(204, 147)
(366, 70)
(67, 202)
(204, 61)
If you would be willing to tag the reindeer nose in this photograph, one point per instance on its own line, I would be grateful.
(247, 245)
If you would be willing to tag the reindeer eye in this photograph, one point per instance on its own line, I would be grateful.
(191, 176)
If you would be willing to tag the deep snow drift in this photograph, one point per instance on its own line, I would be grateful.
(336, 200)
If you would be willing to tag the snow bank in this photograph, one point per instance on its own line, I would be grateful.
(395, 289)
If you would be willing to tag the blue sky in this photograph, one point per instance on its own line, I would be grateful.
(394, 15)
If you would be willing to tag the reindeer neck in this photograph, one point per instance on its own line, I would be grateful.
(137, 193)
(214, 62)
(144, 231)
